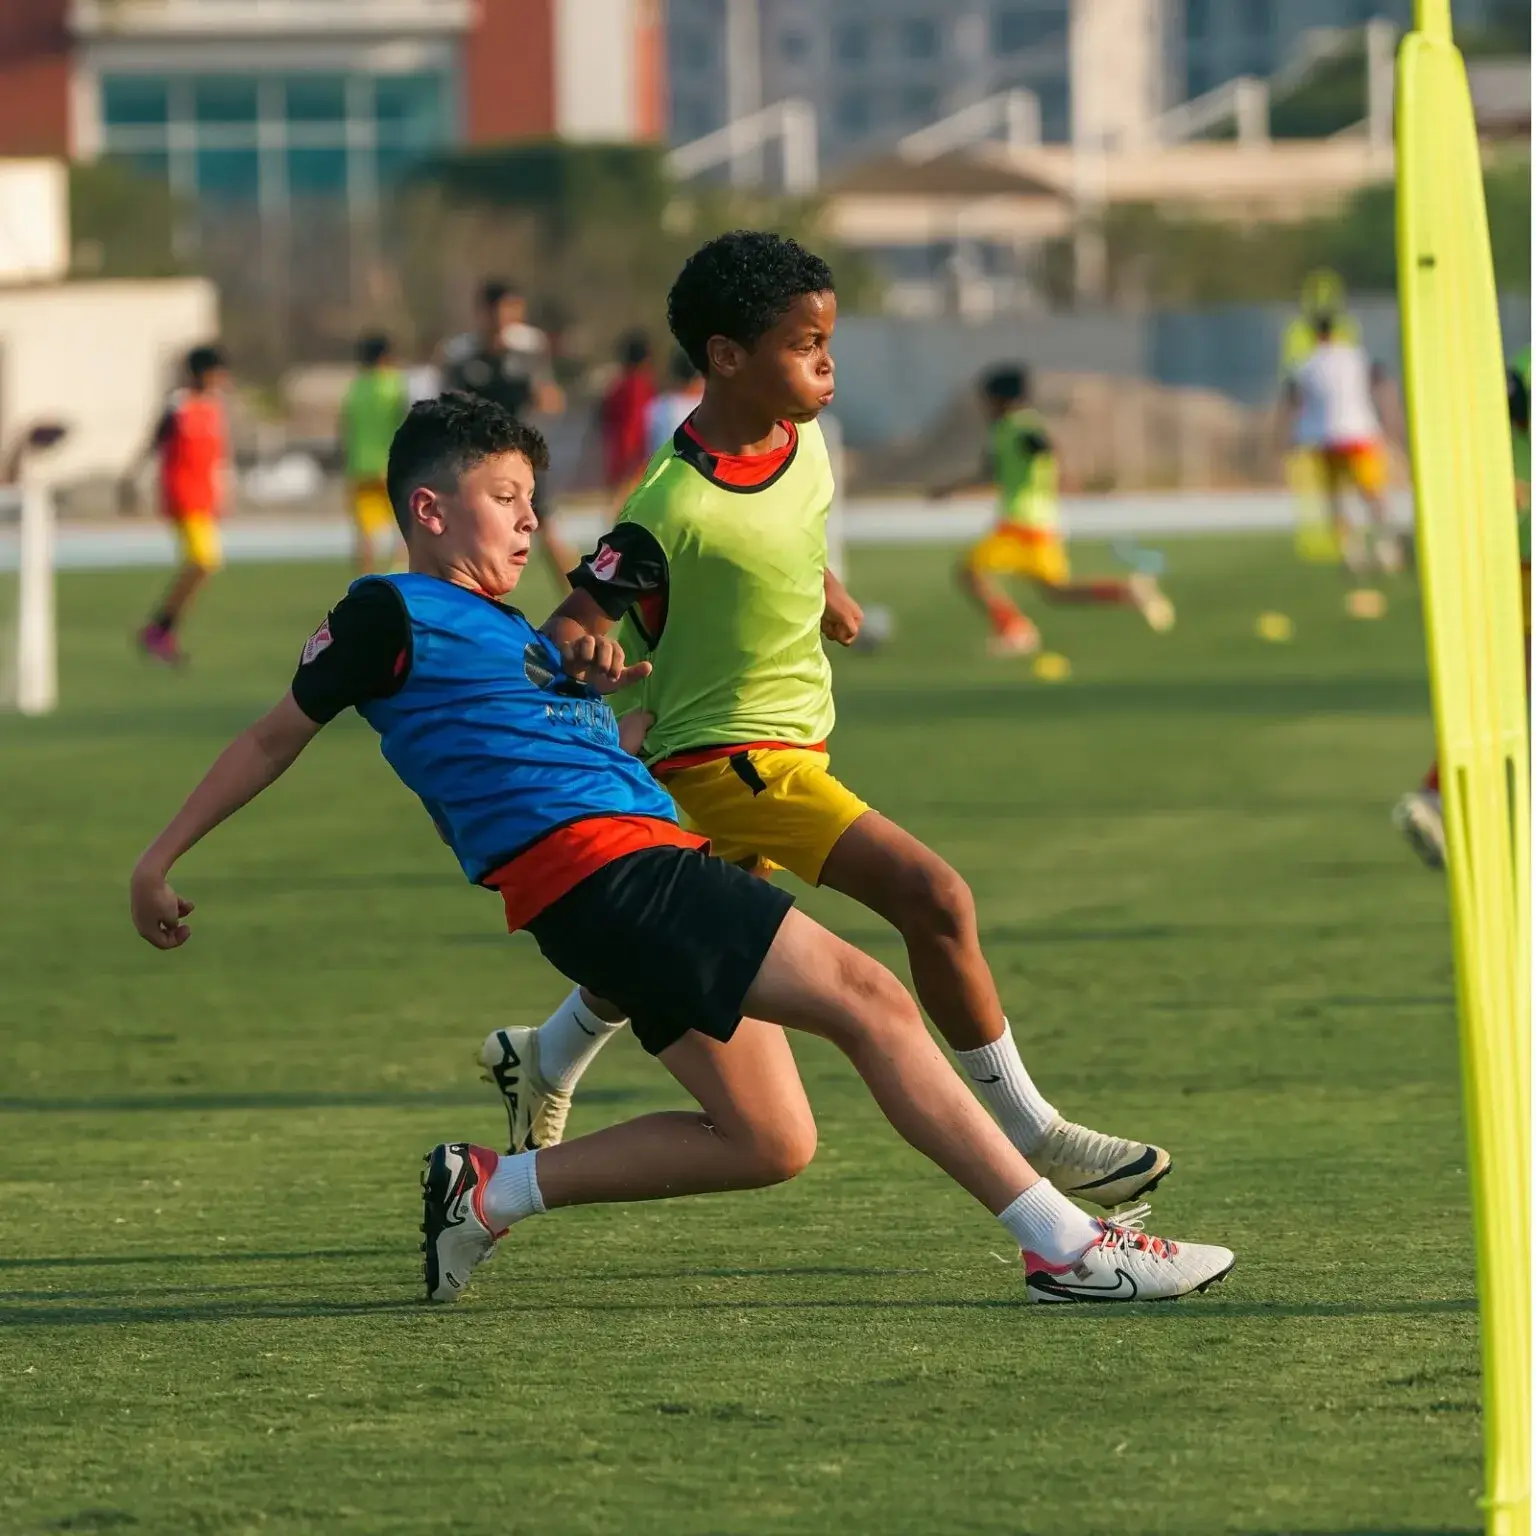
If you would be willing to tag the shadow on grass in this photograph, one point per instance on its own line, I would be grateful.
(1122, 933)
(40, 1318)
(218, 1256)
(46, 1317)
(1247, 697)
(451, 1098)
(300, 878)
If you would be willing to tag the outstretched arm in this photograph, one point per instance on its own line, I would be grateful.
(626, 571)
(842, 618)
(254, 759)
(580, 614)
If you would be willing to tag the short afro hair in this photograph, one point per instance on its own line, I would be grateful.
(739, 286)
(1007, 383)
(373, 348)
(206, 359)
(443, 439)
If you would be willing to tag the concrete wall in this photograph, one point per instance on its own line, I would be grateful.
(97, 357)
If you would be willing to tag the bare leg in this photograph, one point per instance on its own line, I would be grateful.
(611, 1012)
(754, 1128)
(1110, 591)
(362, 549)
(186, 584)
(883, 867)
(559, 555)
(812, 980)
(1003, 614)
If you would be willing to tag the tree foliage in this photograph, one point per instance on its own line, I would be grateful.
(122, 223)
(594, 233)
(1156, 260)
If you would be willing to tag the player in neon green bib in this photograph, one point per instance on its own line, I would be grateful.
(1026, 540)
(718, 568)
(742, 661)
(373, 408)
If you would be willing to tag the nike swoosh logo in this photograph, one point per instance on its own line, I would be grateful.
(1143, 1164)
(1124, 1288)
(996, 1077)
(591, 1034)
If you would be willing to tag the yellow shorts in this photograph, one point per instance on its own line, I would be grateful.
(1361, 466)
(778, 807)
(371, 511)
(1011, 549)
(198, 535)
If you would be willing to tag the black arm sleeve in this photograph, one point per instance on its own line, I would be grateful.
(627, 567)
(362, 651)
(1035, 441)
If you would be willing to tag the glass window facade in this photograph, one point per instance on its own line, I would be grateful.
(275, 138)
(1016, 27)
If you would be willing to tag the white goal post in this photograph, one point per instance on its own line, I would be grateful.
(29, 650)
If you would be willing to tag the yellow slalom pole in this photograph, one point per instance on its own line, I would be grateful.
(1469, 560)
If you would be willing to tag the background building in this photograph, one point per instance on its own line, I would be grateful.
(877, 69)
(265, 102)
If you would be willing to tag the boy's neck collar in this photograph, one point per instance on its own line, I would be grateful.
(722, 429)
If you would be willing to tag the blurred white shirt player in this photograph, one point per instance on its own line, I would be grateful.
(1330, 411)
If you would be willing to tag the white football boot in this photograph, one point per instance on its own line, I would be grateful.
(1418, 816)
(1124, 1264)
(1108, 1170)
(456, 1237)
(536, 1110)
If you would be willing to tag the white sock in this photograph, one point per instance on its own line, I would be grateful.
(1009, 1091)
(568, 1040)
(1043, 1221)
(513, 1191)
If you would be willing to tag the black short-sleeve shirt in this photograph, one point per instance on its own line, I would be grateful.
(362, 651)
(627, 573)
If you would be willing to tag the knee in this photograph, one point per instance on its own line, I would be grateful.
(934, 902)
(780, 1149)
(879, 1008)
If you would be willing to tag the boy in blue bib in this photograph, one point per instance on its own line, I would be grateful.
(507, 740)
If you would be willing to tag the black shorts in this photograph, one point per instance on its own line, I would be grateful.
(672, 936)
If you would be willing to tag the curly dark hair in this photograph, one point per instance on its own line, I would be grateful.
(740, 285)
(442, 439)
(1006, 382)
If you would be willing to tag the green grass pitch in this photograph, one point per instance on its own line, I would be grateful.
(1205, 931)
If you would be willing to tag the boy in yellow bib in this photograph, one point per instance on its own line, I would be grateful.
(718, 570)
(1026, 541)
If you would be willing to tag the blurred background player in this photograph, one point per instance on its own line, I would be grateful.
(1419, 815)
(1020, 465)
(507, 360)
(1329, 410)
(1322, 295)
(673, 406)
(621, 415)
(375, 404)
(191, 444)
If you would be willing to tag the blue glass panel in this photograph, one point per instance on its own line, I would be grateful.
(228, 174)
(317, 98)
(411, 109)
(133, 100)
(317, 172)
(395, 161)
(224, 99)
